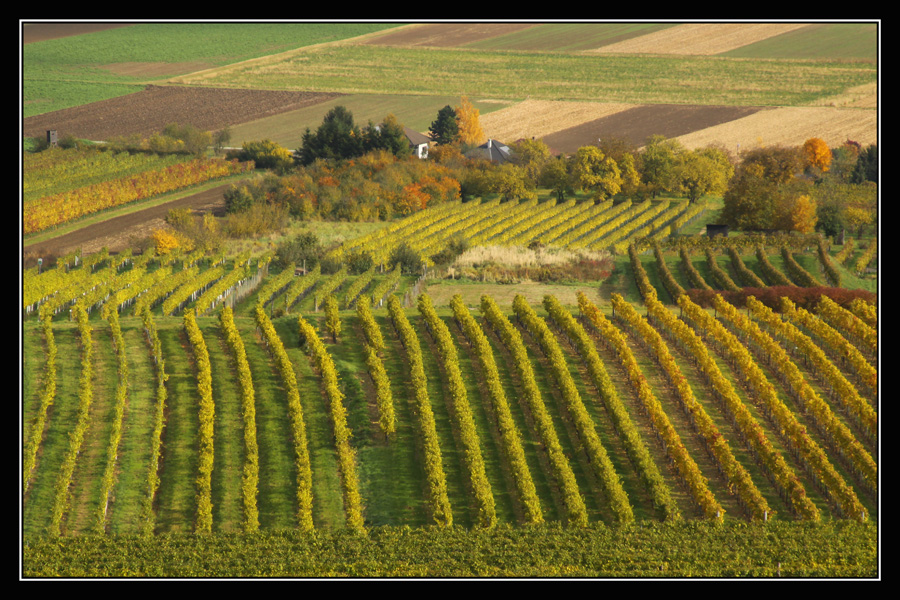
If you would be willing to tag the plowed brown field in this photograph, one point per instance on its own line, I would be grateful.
(151, 109)
(38, 32)
(639, 123)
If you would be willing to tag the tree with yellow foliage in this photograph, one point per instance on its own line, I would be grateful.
(816, 153)
(803, 216)
(470, 131)
(165, 241)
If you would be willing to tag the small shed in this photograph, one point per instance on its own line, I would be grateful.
(712, 230)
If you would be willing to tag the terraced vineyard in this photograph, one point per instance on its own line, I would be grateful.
(160, 408)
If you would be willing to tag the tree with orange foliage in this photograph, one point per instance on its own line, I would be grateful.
(817, 154)
(470, 131)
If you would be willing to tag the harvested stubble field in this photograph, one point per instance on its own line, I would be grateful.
(701, 38)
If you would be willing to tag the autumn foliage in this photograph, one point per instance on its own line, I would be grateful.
(470, 131)
(817, 154)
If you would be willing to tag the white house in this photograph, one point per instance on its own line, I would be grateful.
(418, 142)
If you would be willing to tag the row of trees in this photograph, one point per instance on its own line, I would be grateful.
(805, 188)
(788, 188)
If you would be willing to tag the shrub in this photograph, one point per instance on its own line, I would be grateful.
(303, 247)
(410, 261)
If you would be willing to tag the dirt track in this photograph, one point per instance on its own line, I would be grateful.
(127, 228)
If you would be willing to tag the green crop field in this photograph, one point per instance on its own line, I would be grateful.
(823, 41)
(551, 76)
(72, 71)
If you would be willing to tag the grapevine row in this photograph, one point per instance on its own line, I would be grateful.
(206, 428)
(720, 276)
(771, 274)
(434, 468)
(115, 436)
(665, 274)
(465, 422)
(163, 288)
(346, 455)
(797, 272)
(158, 421)
(373, 346)
(738, 478)
(750, 430)
(76, 437)
(386, 285)
(295, 412)
(509, 434)
(61, 208)
(694, 277)
(845, 320)
(849, 397)
(792, 432)
(330, 284)
(250, 477)
(190, 289)
(220, 288)
(276, 284)
(832, 428)
(675, 449)
(357, 286)
(745, 274)
(576, 512)
(301, 285)
(634, 445)
(48, 395)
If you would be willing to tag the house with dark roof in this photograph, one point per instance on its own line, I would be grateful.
(491, 150)
(418, 142)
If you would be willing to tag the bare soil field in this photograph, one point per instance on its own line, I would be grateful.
(150, 110)
(638, 123)
(445, 35)
(38, 32)
(700, 38)
(539, 118)
(119, 233)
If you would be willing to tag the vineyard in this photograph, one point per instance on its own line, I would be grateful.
(730, 405)
(60, 186)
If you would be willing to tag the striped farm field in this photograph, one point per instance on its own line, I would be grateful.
(568, 83)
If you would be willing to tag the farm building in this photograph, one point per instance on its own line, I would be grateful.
(418, 142)
(491, 150)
